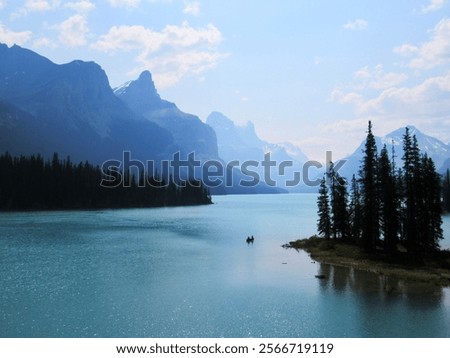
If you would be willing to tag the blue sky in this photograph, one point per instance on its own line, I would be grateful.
(309, 72)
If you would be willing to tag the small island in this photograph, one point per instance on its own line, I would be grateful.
(435, 270)
(389, 222)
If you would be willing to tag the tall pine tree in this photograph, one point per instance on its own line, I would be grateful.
(323, 205)
(388, 203)
(411, 185)
(369, 193)
(354, 211)
(338, 199)
(430, 215)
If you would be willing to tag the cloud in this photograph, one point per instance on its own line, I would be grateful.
(73, 31)
(80, 6)
(36, 6)
(406, 50)
(170, 54)
(426, 100)
(124, 3)
(192, 8)
(395, 99)
(2, 4)
(358, 24)
(345, 98)
(41, 5)
(169, 70)
(430, 98)
(430, 54)
(44, 42)
(377, 78)
(10, 37)
(434, 5)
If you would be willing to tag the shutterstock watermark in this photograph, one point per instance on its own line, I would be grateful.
(214, 173)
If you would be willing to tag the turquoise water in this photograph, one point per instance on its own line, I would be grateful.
(188, 272)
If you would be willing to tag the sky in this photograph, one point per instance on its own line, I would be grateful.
(312, 73)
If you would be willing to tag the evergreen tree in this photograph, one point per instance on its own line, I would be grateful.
(323, 204)
(411, 185)
(29, 183)
(396, 205)
(338, 201)
(369, 194)
(354, 211)
(388, 203)
(430, 208)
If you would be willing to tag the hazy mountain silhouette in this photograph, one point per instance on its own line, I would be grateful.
(189, 132)
(70, 109)
(243, 144)
(436, 149)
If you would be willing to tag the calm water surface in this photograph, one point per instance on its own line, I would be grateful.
(187, 272)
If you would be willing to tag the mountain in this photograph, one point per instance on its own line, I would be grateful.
(189, 132)
(242, 144)
(436, 149)
(70, 109)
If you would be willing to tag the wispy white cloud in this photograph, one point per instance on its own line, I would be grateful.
(80, 6)
(192, 8)
(433, 5)
(124, 3)
(430, 99)
(395, 99)
(2, 4)
(41, 5)
(406, 50)
(171, 53)
(170, 69)
(377, 78)
(358, 24)
(35, 6)
(11, 37)
(73, 31)
(44, 42)
(340, 96)
(433, 53)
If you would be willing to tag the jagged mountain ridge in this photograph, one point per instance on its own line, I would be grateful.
(435, 149)
(243, 144)
(72, 110)
(188, 131)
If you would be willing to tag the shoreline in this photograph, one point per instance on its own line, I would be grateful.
(434, 271)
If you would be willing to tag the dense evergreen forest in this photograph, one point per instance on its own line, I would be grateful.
(388, 210)
(32, 183)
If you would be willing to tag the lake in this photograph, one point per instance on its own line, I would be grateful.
(188, 272)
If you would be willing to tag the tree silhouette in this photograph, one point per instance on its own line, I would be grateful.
(30, 183)
(369, 193)
(323, 204)
(387, 206)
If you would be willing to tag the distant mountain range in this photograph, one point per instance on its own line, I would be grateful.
(436, 149)
(71, 109)
(241, 143)
(189, 133)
